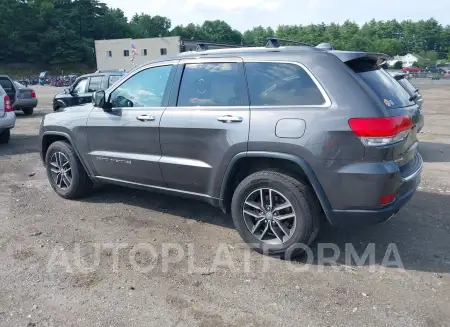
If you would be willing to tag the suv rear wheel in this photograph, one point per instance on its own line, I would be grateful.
(65, 171)
(275, 213)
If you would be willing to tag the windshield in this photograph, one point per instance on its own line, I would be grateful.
(388, 90)
(19, 85)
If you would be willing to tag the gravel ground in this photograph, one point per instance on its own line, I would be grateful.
(107, 260)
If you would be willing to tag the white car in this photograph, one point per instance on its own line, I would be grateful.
(7, 117)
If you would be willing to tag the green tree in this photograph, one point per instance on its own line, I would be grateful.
(146, 26)
(389, 46)
(258, 35)
(398, 65)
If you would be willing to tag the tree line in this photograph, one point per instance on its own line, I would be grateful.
(63, 31)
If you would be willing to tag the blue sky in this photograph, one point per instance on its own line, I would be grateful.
(244, 14)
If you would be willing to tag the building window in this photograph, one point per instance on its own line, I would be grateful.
(109, 54)
(126, 53)
(163, 51)
(143, 52)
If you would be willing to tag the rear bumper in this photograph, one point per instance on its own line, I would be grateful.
(8, 121)
(25, 103)
(360, 217)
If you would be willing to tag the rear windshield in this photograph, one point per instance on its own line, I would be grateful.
(408, 86)
(20, 86)
(388, 90)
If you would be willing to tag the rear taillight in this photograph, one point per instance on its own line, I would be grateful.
(7, 104)
(381, 131)
(33, 94)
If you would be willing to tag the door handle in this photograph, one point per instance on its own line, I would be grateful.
(230, 119)
(145, 118)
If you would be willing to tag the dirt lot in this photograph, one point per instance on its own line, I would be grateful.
(58, 267)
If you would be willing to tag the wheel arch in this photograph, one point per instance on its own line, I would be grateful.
(291, 164)
(50, 137)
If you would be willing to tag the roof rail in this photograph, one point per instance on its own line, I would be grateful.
(274, 42)
(110, 70)
(325, 46)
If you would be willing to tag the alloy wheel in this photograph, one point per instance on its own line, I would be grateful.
(61, 170)
(269, 216)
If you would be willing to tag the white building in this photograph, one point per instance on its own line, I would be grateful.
(407, 60)
(118, 54)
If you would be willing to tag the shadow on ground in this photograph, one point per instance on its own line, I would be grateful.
(434, 152)
(172, 205)
(38, 113)
(20, 144)
(420, 233)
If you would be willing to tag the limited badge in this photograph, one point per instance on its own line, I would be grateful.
(387, 102)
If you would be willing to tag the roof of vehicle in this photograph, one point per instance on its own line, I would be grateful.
(245, 53)
(112, 72)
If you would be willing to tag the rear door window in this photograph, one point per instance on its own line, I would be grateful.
(95, 84)
(388, 90)
(210, 84)
(281, 84)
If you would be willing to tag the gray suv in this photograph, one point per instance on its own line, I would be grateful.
(276, 136)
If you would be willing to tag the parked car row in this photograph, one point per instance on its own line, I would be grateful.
(276, 138)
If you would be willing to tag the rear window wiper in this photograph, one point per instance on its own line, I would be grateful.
(413, 97)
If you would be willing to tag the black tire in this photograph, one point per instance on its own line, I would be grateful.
(81, 184)
(303, 201)
(27, 111)
(5, 136)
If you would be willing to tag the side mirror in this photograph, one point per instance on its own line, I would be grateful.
(99, 99)
(66, 91)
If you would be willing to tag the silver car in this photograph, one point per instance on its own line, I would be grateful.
(7, 116)
(22, 98)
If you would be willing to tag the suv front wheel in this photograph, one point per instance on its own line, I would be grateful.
(65, 171)
(275, 214)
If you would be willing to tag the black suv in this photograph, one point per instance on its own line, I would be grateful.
(81, 91)
(277, 136)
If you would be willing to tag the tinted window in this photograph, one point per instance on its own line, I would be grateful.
(382, 83)
(144, 89)
(113, 79)
(95, 83)
(278, 84)
(6, 83)
(80, 87)
(213, 84)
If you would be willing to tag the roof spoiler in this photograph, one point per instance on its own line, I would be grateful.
(346, 56)
(399, 76)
